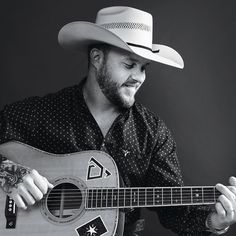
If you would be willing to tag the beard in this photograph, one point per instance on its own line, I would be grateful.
(110, 88)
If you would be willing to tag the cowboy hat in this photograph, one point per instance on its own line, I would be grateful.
(124, 27)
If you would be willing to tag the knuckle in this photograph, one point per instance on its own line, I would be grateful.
(221, 198)
(33, 171)
(44, 190)
(20, 188)
(28, 180)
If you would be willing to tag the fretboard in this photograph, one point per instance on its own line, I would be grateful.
(150, 197)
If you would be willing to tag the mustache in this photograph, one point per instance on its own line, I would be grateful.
(131, 82)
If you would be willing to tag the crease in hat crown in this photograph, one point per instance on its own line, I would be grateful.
(125, 27)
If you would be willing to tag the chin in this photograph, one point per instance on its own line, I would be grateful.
(127, 103)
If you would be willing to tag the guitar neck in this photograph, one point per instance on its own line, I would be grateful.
(150, 197)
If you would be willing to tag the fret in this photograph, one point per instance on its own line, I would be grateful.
(158, 196)
(90, 197)
(124, 196)
(112, 197)
(202, 196)
(134, 197)
(127, 197)
(104, 194)
(121, 197)
(138, 197)
(166, 196)
(153, 192)
(197, 195)
(176, 196)
(145, 201)
(186, 195)
(94, 205)
(191, 195)
(99, 198)
(209, 194)
(109, 197)
(214, 194)
(142, 197)
(150, 196)
(115, 198)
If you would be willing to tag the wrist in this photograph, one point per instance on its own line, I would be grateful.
(213, 227)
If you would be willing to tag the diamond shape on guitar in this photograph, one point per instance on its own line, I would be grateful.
(96, 170)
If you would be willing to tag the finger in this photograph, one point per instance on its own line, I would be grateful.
(226, 192)
(233, 190)
(220, 210)
(227, 205)
(49, 184)
(19, 201)
(232, 181)
(41, 182)
(23, 192)
(33, 189)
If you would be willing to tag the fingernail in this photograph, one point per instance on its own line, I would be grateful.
(218, 185)
(51, 185)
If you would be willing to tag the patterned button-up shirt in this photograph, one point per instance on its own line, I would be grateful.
(139, 142)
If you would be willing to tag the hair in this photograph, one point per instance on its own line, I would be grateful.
(104, 47)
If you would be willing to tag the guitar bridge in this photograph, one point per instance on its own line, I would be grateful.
(10, 213)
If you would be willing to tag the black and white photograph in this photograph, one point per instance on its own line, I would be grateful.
(117, 118)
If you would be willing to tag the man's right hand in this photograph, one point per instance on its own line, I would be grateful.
(31, 189)
(24, 185)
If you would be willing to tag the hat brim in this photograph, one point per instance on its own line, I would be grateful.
(77, 36)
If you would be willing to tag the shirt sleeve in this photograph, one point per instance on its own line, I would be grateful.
(164, 170)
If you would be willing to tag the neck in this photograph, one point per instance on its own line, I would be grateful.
(150, 196)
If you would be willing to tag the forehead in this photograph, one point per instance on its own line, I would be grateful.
(121, 54)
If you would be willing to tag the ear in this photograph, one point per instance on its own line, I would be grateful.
(96, 57)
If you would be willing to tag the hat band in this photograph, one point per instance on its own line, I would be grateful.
(127, 25)
(141, 46)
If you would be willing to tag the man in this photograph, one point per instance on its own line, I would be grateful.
(101, 113)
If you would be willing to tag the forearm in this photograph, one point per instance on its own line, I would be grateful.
(11, 174)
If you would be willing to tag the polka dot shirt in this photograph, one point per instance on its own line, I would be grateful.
(138, 141)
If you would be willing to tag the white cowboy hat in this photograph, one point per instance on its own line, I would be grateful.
(124, 27)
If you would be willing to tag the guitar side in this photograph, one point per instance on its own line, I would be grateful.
(85, 169)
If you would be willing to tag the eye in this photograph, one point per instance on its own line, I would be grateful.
(129, 66)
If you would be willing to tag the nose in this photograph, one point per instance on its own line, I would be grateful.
(139, 76)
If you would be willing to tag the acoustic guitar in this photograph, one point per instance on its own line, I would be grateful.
(86, 197)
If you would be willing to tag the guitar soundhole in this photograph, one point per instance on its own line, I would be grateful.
(64, 200)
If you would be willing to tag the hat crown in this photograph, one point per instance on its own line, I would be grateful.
(130, 24)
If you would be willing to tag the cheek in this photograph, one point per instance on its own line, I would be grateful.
(118, 74)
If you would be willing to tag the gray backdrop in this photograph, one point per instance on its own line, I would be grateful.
(197, 103)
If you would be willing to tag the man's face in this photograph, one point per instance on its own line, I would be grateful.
(120, 76)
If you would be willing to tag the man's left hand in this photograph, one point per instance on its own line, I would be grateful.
(225, 214)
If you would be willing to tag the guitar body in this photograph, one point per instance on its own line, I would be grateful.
(75, 172)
